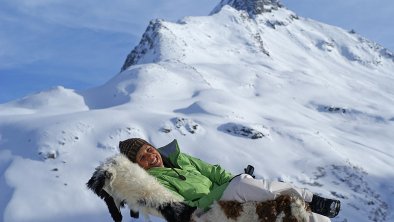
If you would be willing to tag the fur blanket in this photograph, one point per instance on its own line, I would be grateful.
(126, 182)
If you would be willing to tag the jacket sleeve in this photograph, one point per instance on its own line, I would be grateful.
(206, 201)
(214, 172)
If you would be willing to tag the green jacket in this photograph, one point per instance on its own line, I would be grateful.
(204, 182)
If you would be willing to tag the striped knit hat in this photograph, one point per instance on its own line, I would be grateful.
(130, 147)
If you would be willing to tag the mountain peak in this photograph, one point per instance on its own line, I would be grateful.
(147, 42)
(252, 7)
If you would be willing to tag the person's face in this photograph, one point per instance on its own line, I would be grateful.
(148, 157)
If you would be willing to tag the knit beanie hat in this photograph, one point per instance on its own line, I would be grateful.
(130, 147)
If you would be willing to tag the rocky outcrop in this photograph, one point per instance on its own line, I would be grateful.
(252, 7)
(147, 43)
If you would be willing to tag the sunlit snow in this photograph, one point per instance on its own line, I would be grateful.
(302, 101)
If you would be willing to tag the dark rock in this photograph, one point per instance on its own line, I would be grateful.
(49, 155)
(146, 43)
(252, 7)
(242, 131)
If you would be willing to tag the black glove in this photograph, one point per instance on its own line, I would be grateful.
(249, 170)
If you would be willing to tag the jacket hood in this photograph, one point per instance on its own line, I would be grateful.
(171, 151)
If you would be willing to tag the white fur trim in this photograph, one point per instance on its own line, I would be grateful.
(131, 183)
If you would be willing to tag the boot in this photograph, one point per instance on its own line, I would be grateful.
(324, 206)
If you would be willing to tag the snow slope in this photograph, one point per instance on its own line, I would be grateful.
(302, 101)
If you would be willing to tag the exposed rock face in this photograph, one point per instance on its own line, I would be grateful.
(252, 7)
(146, 43)
(251, 132)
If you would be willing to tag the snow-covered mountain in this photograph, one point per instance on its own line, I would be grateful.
(252, 83)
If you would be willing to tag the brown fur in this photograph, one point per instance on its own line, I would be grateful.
(232, 209)
(284, 209)
(269, 210)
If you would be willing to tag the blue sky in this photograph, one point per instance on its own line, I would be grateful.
(82, 44)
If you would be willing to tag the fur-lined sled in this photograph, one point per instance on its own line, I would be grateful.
(119, 181)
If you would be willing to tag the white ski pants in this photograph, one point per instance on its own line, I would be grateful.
(245, 188)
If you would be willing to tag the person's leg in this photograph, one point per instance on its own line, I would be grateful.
(245, 188)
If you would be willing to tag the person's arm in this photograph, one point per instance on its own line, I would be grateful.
(214, 172)
(206, 201)
(169, 187)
